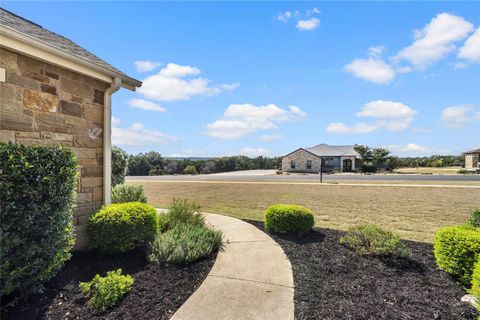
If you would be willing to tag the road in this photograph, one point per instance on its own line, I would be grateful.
(269, 175)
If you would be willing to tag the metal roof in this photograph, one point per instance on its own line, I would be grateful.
(324, 150)
(472, 151)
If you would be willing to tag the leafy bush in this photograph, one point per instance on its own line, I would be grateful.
(288, 218)
(184, 243)
(119, 165)
(190, 169)
(122, 227)
(456, 249)
(123, 193)
(368, 239)
(474, 220)
(184, 211)
(105, 292)
(475, 289)
(37, 197)
(368, 169)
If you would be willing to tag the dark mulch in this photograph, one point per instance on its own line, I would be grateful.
(332, 282)
(159, 290)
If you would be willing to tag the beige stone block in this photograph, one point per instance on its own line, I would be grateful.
(43, 141)
(40, 101)
(7, 136)
(12, 106)
(75, 121)
(27, 135)
(86, 141)
(77, 88)
(93, 113)
(10, 92)
(52, 128)
(84, 209)
(92, 182)
(22, 81)
(71, 108)
(85, 197)
(57, 136)
(85, 153)
(80, 233)
(28, 65)
(16, 121)
(96, 171)
(49, 118)
(8, 59)
(78, 130)
(97, 194)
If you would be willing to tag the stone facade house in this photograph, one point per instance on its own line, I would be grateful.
(472, 159)
(52, 91)
(332, 158)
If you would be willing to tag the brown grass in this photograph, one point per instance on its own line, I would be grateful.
(416, 213)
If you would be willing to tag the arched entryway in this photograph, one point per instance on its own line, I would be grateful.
(347, 165)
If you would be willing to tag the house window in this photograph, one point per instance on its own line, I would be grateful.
(292, 164)
(328, 162)
(309, 164)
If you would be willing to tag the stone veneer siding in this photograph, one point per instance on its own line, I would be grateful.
(471, 160)
(44, 104)
(300, 157)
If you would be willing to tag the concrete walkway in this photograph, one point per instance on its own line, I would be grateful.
(251, 278)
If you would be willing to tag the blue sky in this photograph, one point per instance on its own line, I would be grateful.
(266, 78)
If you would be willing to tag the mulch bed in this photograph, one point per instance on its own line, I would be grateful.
(332, 282)
(159, 290)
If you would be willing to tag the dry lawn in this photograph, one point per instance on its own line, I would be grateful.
(416, 213)
(440, 170)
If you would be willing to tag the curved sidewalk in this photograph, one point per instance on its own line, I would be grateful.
(251, 278)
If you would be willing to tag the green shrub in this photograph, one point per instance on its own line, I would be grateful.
(123, 193)
(474, 220)
(190, 169)
(37, 197)
(368, 169)
(103, 293)
(184, 243)
(475, 289)
(122, 227)
(368, 239)
(184, 211)
(456, 249)
(119, 165)
(288, 218)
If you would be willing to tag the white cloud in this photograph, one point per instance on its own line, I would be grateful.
(137, 135)
(115, 121)
(253, 152)
(240, 120)
(146, 65)
(459, 116)
(171, 84)
(146, 105)
(308, 24)
(372, 69)
(435, 40)
(409, 148)
(284, 16)
(270, 138)
(471, 49)
(229, 86)
(389, 115)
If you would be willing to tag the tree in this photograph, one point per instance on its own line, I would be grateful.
(190, 169)
(138, 165)
(364, 151)
(380, 155)
(119, 165)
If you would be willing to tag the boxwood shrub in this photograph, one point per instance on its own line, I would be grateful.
(122, 227)
(288, 218)
(37, 197)
(456, 249)
(123, 193)
(475, 289)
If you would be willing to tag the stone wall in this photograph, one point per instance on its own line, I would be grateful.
(471, 160)
(44, 104)
(301, 157)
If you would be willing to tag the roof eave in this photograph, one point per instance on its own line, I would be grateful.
(127, 82)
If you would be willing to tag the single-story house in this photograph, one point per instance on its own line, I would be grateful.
(332, 158)
(472, 159)
(55, 92)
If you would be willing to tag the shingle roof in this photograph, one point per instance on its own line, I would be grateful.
(36, 31)
(324, 150)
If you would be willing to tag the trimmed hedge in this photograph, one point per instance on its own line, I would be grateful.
(368, 239)
(122, 227)
(288, 218)
(37, 196)
(475, 289)
(456, 249)
(123, 193)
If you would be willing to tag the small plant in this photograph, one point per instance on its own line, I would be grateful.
(368, 239)
(123, 193)
(474, 220)
(184, 243)
(456, 249)
(103, 293)
(122, 227)
(184, 211)
(288, 218)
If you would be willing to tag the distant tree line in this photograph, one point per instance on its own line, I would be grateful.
(152, 163)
